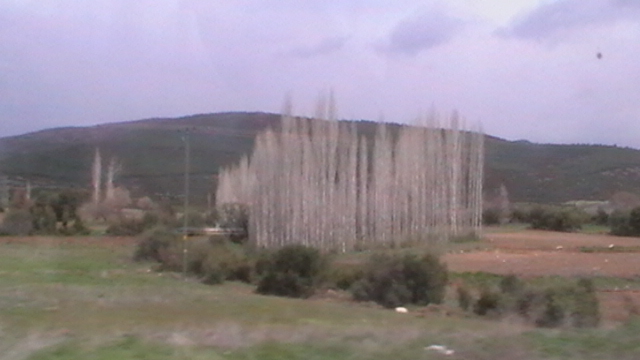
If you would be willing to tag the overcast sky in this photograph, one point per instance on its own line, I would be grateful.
(525, 69)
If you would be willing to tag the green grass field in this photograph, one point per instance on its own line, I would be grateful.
(84, 301)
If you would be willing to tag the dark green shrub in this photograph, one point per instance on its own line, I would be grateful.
(292, 271)
(526, 303)
(511, 284)
(625, 223)
(554, 313)
(556, 219)
(586, 309)
(77, 228)
(576, 305)
(491, 216)
(487, 303)
(154, 244)
(549, 306)
(619, 224)
(520, 215)
(600, 218)
(44, 219)
(224, 261)
(343, 276)
(393, 281)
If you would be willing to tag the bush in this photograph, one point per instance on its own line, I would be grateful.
(547, 218)
(44, 219)
(600, 218)
(221, 261)
(586, 310)
(393, 281)
(292, 271)
(124, 226)
(619, 224)
(343, 276)
(78, 228)
(17, 222)
(554, 313)
(551, 306)
(488, 302)
(491, 216)
(511, 284)
(154, 244)
(625, 223)
(520, 215)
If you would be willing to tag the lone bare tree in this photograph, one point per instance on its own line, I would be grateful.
(96, 177)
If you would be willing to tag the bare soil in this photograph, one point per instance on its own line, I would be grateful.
(540, 253)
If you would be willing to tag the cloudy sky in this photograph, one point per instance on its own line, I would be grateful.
(525, 69)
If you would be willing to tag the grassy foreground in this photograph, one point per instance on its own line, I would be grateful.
(88, 301)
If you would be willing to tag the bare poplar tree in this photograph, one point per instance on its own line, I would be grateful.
(112, 172)
(96, 176)
(316, 182)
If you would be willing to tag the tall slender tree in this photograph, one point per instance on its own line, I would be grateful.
(319, 183)
(96, 177)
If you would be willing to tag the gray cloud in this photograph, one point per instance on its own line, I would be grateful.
(326, 46)
(89, 62)
(564, 15)
(422, 32)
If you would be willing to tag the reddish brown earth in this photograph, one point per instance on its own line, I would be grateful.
(539, 253)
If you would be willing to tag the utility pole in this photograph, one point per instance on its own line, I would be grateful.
(185, 215)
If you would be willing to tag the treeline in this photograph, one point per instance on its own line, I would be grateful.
(388, 279)
(566, 218)
(44, 213)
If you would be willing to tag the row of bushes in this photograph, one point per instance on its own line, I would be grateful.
(40, 221)
(552, 306)
(621, 223)
(543, 218)
(300, 271)
(389, 280)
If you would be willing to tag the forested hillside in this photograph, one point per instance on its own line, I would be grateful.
(151, 153)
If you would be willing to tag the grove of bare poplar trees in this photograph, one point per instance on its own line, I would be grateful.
(318, 182)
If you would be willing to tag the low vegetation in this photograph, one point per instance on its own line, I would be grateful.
(48, 213)
(398, 280)
(550, 305)
(89, 300)
(625, 223)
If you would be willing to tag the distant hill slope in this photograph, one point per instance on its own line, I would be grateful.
(152, 156)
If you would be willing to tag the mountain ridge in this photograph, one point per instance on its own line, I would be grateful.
(152, 154)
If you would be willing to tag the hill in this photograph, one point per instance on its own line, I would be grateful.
(151, 152)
